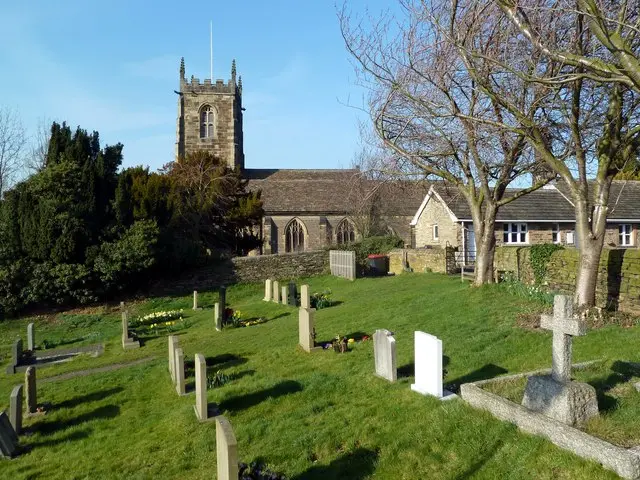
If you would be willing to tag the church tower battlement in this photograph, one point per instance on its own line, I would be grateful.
(210, 117)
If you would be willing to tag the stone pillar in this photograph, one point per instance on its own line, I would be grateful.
(179, 368)
(174, 342)
(195, 300)
(31, 337)
(15, 408)
(284, 296)
(201, 388)
(227, 450)
(276, 291)
(31, 391)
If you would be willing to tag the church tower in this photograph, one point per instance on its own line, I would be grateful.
(210, 117)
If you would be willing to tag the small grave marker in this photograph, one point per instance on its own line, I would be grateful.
(268, 290)
(15, 408)
(293, 294)
(16, 355)
(226, 449)
(217, 316)
(195, 300)
(8, 437)
(276, 291)
(180, 384)
(384, 348)
(31, 337)
(428, 366)
(128, 343)
(306, 329)
(201, 407)
(174, 342)
(31, 390)
(284, 296)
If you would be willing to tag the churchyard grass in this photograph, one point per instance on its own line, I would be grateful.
(309, 416)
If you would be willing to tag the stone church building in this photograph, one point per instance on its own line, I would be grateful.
(305, 209)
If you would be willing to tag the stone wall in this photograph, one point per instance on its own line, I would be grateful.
(618, 275)
(419, 260)
(246, 270)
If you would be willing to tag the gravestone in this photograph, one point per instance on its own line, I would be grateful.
(16, 355)
(293, 294)
(226, 449)
(306, 329)
(8, 437)
(127, 342)
(31, 337)
(179, 368)
(384, 349)
(284, 296)
(217, 316)
(276, 291)
(174, 342)
(222, 300)
(268, 290)
(305, 299)
(428, 366)
(201, 406)
(195, 300)
(15, 408)
(31, 390)
(556, 395)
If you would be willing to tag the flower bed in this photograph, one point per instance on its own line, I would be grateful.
(155, 322)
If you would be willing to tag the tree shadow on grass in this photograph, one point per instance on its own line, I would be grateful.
(483, 373)
(621, 372)
(190, 386)
(90, 397)
(47, 428)
(79, 435)
(355, 465)
(242, 402)
(219, 362)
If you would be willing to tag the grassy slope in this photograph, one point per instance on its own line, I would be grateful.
(309, 416)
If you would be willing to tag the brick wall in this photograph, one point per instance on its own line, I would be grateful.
(618, 275)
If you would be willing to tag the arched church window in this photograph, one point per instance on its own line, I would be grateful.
(294, 236)
(206, 122)
(345, 233)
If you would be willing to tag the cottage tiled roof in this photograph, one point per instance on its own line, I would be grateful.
(291, 191)
(624, 199)
(545, 204)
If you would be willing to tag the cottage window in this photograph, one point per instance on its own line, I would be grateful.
(571, 237)
(436, 233)
(206, 122)
(624, 235)
(345, 233)
(555, 233)
(294, 236)
(515, 233)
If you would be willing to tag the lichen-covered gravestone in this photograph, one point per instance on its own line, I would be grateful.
(555, 395)
(31, 390)
(428, 366)
(15, 408)
(226, 449)
(8, 437)
(384, 348)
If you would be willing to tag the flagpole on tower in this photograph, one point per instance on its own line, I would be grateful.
(211, 49)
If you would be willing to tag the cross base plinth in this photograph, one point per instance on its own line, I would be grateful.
(572, 403)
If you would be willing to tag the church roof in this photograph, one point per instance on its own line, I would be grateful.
(326, 191)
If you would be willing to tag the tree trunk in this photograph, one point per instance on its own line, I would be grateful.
(590, 243)
(484, 227)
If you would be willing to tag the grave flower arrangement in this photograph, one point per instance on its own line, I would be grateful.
(234, 319)
(321, 300)
(257, 471)
(169, 320)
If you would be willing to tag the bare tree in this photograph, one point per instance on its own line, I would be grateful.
(36, 160)
(426, 107)
(588, 128)
(12, 142)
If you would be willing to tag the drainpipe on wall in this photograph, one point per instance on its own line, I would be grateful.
(464, 249)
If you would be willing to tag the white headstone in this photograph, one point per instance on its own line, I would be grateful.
(428, 365)
(268, 290)
(284, 296)
(305, 300)
(276, 292)
(174, 342)
(179, 368)
(216, 316)
(226, 449)
(306, 328)
(202, 411)
(384, 349)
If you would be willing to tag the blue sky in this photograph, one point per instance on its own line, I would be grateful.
(112, 67)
